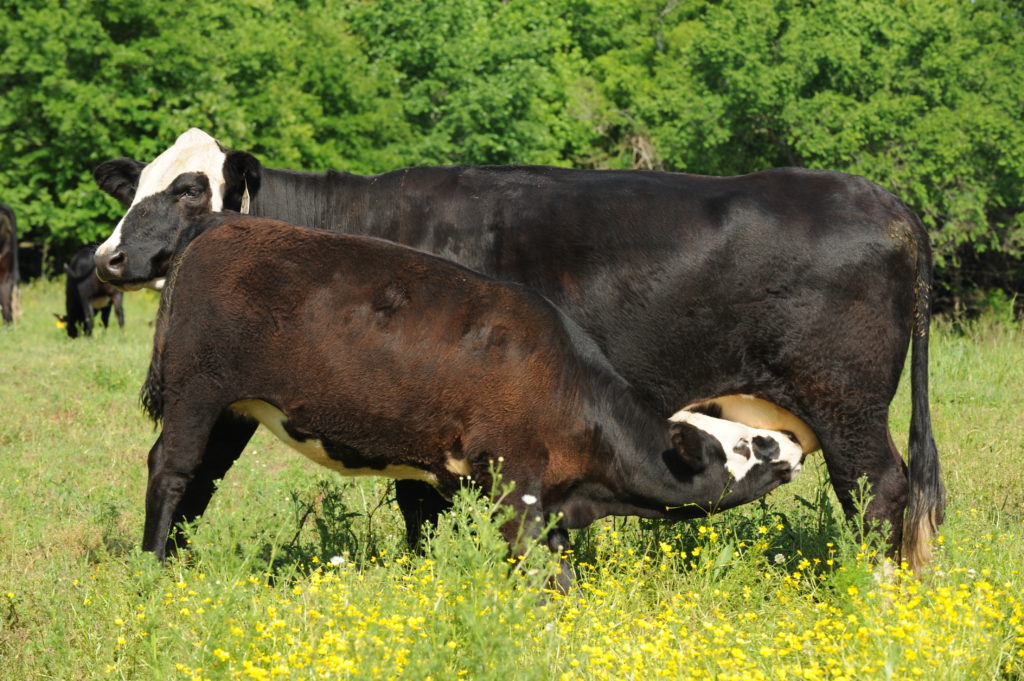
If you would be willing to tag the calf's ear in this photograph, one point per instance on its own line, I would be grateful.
(119, 178)
(765, 448)
(693, 447)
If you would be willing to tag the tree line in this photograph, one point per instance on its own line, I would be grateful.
(925, 97)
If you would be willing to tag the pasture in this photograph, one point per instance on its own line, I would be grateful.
(296, 573)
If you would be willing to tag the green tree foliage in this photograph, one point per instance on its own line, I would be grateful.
(920, 96)
(484, 81)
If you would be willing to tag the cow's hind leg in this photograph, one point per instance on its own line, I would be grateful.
(868, 451)
(420, 505)
(185, 464)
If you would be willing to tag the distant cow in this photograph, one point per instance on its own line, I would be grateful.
(9, 277)
(373, 358)
(85, 295)
(801, 288)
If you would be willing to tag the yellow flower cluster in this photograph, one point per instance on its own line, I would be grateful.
(794, 619)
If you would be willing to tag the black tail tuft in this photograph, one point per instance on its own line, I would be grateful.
(927, 502)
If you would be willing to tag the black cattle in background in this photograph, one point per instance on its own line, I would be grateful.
(85, 295)
(9, 277)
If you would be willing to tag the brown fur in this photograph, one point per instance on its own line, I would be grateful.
(395, 360)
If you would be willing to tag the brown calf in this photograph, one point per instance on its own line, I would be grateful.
(374, 358)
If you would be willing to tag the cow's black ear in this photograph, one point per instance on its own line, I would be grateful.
(242, 173)
(119, 178)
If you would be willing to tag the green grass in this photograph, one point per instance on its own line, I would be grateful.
(775, 590)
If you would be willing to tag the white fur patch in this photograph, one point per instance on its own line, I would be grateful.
(733, 436)
(193, 151)
(274, 419)
(456, 466)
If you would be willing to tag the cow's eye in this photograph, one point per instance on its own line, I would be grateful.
(191, 193)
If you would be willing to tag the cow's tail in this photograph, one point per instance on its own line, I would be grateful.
(927, 497)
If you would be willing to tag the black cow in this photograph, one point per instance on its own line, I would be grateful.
(9, 277)
(373, 358)
(85, 295)
(802, 289)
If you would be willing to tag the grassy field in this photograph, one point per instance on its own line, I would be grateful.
(295, 573)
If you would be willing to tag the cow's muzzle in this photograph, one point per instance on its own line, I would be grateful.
(110, 267)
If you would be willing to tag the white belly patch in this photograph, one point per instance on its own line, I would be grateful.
(274, 419)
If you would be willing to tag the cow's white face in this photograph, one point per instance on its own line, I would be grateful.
(744, 446)
(193, 151)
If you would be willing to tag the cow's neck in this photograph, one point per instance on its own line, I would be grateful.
(332, 201)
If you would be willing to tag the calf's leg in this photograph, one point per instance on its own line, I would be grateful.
(230, 435)
(421, 504)
(187, 459)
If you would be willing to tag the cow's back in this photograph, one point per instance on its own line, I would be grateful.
(361, 328)
(717, 269)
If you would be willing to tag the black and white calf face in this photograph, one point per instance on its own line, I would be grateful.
(151, 230)
(230, 176)
(744, 447)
